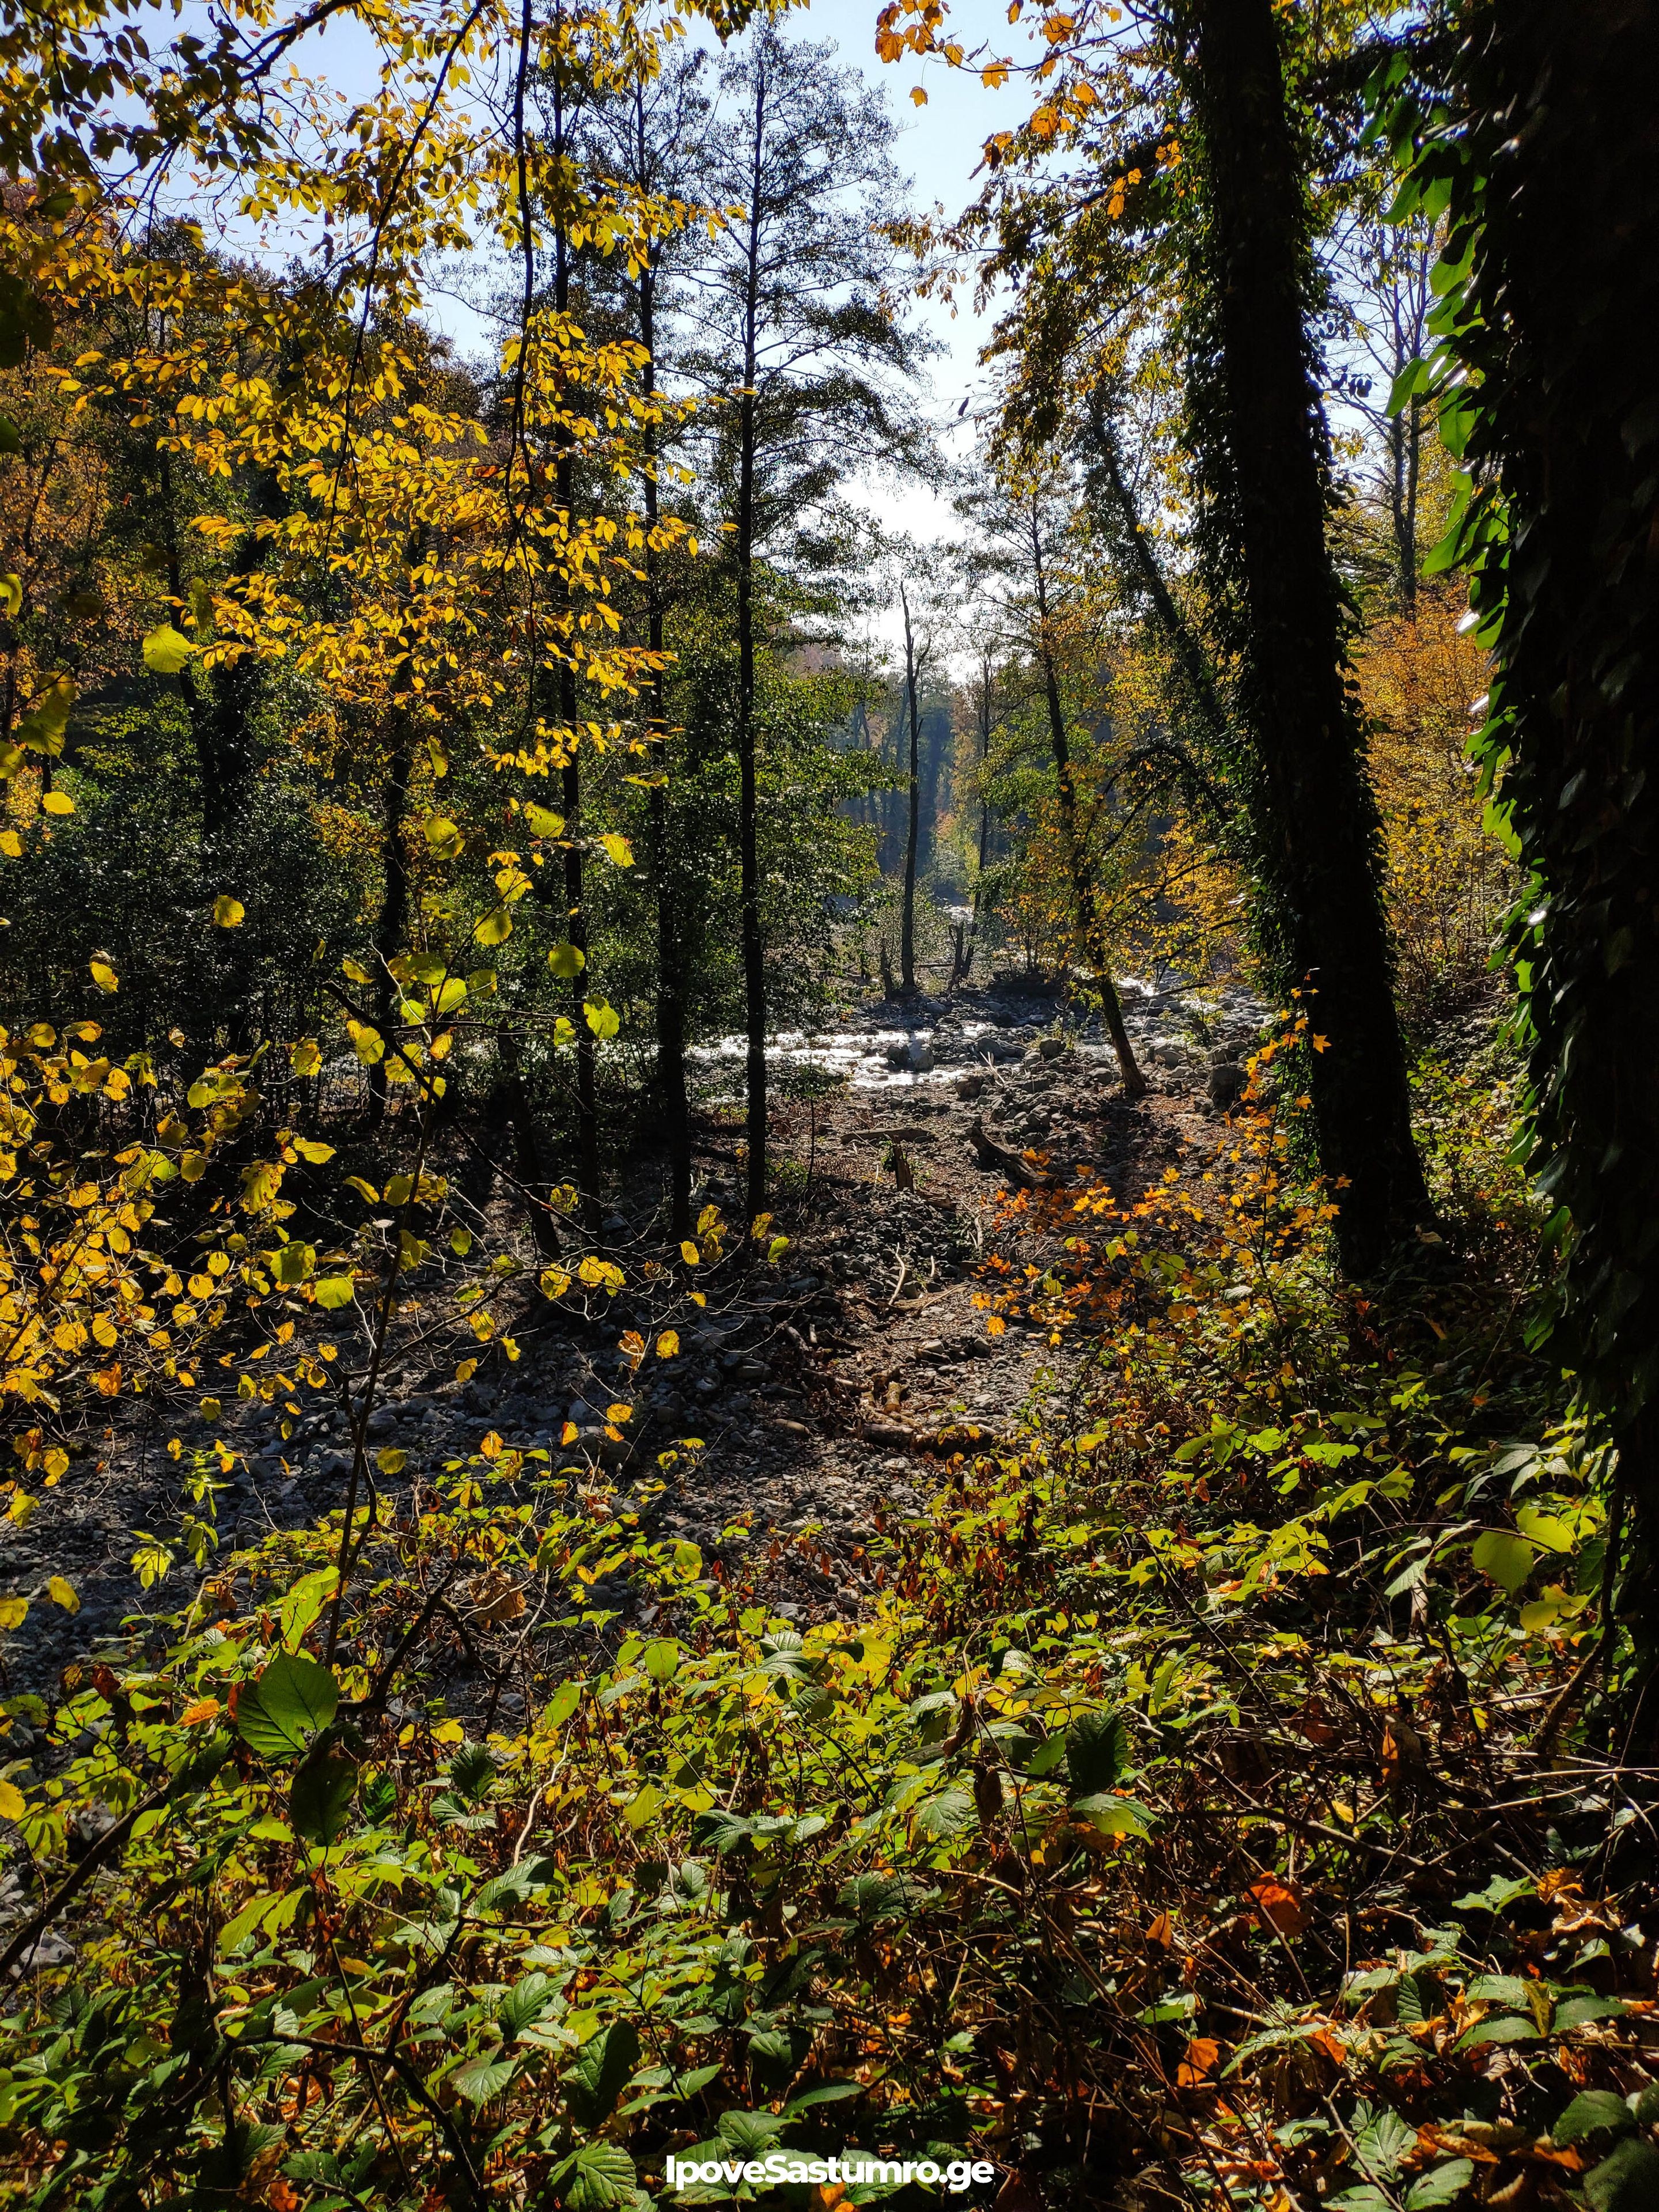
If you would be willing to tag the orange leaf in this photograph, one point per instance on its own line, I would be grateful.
(205, 1709)
(1277, 1907)
(1200, 2059)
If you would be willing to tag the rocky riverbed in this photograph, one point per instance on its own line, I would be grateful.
(819, 1391)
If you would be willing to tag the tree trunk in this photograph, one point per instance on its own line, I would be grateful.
(1314, 823)
(754, 956)
(1085, 911)
(907, 917)
(1565, 138)
(588, 1114)
(670, 1010)
(392, 920)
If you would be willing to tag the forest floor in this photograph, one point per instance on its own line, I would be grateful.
(824, 1394)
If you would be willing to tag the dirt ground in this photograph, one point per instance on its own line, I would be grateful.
(825, 1391)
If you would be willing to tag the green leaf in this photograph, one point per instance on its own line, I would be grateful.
(291, 1702)
(1381, 2142)
(1440, 2185)
(1590, 2113)
(567, 960)
(1097, 1752)
(495, 927)
(1503, 1557)
(333, 1292)
(319, 1799)
(443, 839)
(601, 2073)
(1573, 2012)
(1499, 2030)
(165, 651)
(1114, 1816)
(484, 2077)
(602, 1019)
(948, 1813)
(525, 2003)
(1628, 2181)
(594, 2179)
(1047, 1756)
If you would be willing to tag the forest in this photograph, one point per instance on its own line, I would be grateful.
(828, 1224)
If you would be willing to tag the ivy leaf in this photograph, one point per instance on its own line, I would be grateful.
(291, 1702)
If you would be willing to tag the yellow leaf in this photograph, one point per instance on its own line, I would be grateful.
(12, 1807)
(13, 1611)
(306, 1057)
(165, 651)
(58, 802)
(229, 912)
(668, 1344)
(104, 975)
(443, 838)
(618, 849)
(689, 1254)
(918, 95)
(63, 1593)
(11, 844)
(496, 928)
(543, 821)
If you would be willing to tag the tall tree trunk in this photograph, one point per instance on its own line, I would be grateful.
(754, 953)
(1085, 911)
(670, 1008)
(392, 920)
(587, 1113)
(907, 916)
(1564, 136)
(1314, 819)
(1190, 657)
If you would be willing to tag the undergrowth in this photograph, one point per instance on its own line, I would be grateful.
(1214, 1799)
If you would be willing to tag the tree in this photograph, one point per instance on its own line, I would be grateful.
(1549, 171)
(1019, 564)
(1263, 461)
(794, 329)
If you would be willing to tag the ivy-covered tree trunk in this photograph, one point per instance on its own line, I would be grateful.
(1264, 456)
(1555, 212)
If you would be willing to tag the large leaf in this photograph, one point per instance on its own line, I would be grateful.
(594, 2177)
(1628, 2181)
(601, 2073)
(1591, 2111)
(1097, 1752)
(483, 2078)
(320, 1801)
(1505, 1558)
(1381, 2141)
(946, 1813)
(291, 1702)
(1441, 2185)
(526, 2003)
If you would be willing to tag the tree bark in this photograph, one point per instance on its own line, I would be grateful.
(754, 951)
(1314, 820)
(670, 1008)
(912, 705)
(1085, 908)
